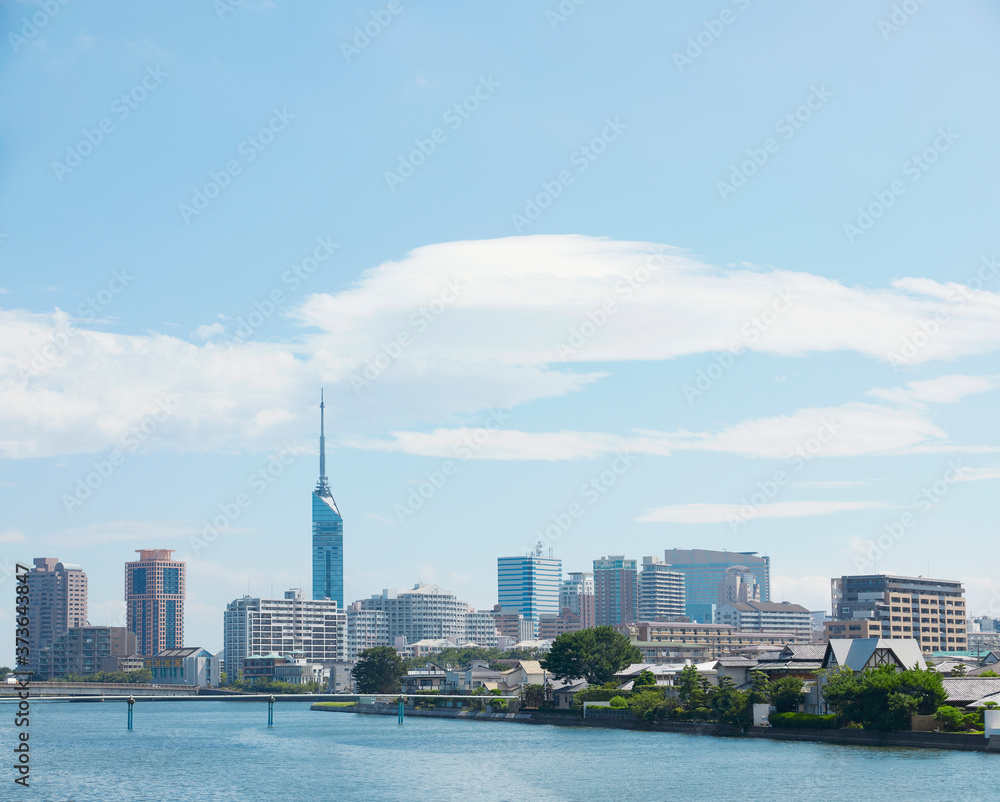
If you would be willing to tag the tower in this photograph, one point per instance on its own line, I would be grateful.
(327, 531)
(154, 600)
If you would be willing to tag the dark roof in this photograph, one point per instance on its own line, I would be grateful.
(795, 653)
(187, 651)
(737, 662)
(970, 689)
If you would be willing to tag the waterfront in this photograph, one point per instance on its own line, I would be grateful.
(224, 751)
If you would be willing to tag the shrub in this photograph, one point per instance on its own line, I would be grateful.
(952, 719)
(802, 721)
(702, 713)
(648, 704)
(618, 703)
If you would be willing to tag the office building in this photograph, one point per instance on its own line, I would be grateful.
(154, 601)
(551, 627)
(931, 611)
(616, 591)
(754, 616)
(327, 532)
(313, 630)
(705, 571)
(85, 650)
(57, 600)
(191, 666)
(576, 594)
(530, 584)
(661, 591)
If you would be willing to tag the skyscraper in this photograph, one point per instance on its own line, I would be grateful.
(616, 591)
(576, 594)
(529, 584)
(705, 571)
(328, 532)
(154, 601)
(57, 596)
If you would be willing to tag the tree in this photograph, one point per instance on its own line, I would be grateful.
(690, 691)
(883, 698)
(760, 689)
(646, 679)
(378, 670)
(787, 695)
(595, 655)
(959, 670)
(532, 695)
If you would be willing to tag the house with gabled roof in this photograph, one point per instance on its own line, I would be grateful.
(861, 653)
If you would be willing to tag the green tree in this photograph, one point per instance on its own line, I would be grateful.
(532, 695)
(959, 670)
(618, 702)
(595, 655)
(787, 695)
(689, 689)
(644, 680)
(648, 703)
(760, 688)
(379, 670)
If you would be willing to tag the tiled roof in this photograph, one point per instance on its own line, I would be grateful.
(737, 662)
(969, 689)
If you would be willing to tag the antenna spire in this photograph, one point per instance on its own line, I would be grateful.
(322, 486)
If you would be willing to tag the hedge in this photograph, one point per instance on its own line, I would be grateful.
(803, 721)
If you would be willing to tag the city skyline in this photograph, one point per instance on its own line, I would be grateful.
(551, 298)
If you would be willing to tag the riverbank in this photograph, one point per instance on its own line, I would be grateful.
(605, 719)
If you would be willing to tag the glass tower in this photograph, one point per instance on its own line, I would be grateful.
(530, 584)
(327, 534)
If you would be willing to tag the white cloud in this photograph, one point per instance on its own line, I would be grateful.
(831, 484)
(969, 474)
(12, 536)
(123, 532)
(207, 331)
(486, 324)
(721, 513)
(942, 390)
(809, 591)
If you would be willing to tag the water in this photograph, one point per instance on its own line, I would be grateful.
(220, 751)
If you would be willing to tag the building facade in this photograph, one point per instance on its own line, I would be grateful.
(551, 627)
(661, 590)
(576, 594)
(423, 612)
(931, 611)
(366, 629)
(705, 570)
(616, 591)
(529, 584)
(191, 666)
(662, 642)
(753, 616)
(845, 630)
(57, 600)
(313, 630)
(154, 601)
(85, 650)
(327, 533)
(739, 585)
(512, 626)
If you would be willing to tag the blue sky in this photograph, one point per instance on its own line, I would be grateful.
(718, 275)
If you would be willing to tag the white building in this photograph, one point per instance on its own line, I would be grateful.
(426, 612)
(313, 629)
(755, 616)
(365, 629)
(191, 666)
(576, 594)
(661, 591)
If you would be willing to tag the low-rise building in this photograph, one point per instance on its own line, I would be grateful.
(85, 650)
(430, 677)
(673, 641)
(551, 627)
(756, 616)
(275, 667)
(477, 674)
(192, 666)
(861, 653)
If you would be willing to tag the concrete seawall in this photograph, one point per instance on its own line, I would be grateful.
(622, 720)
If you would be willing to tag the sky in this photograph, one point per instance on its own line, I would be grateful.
(613, 278)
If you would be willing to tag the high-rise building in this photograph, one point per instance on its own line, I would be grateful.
(327, 532)
(661, 591)
(366, 629)
(512, 626)
(705, 570)
(616, 591)
(529, 584)
(576, 594)
(425, 612)
(154, 601)
(931, 611)
(738, 586)
(57, 600)
(314, 630)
